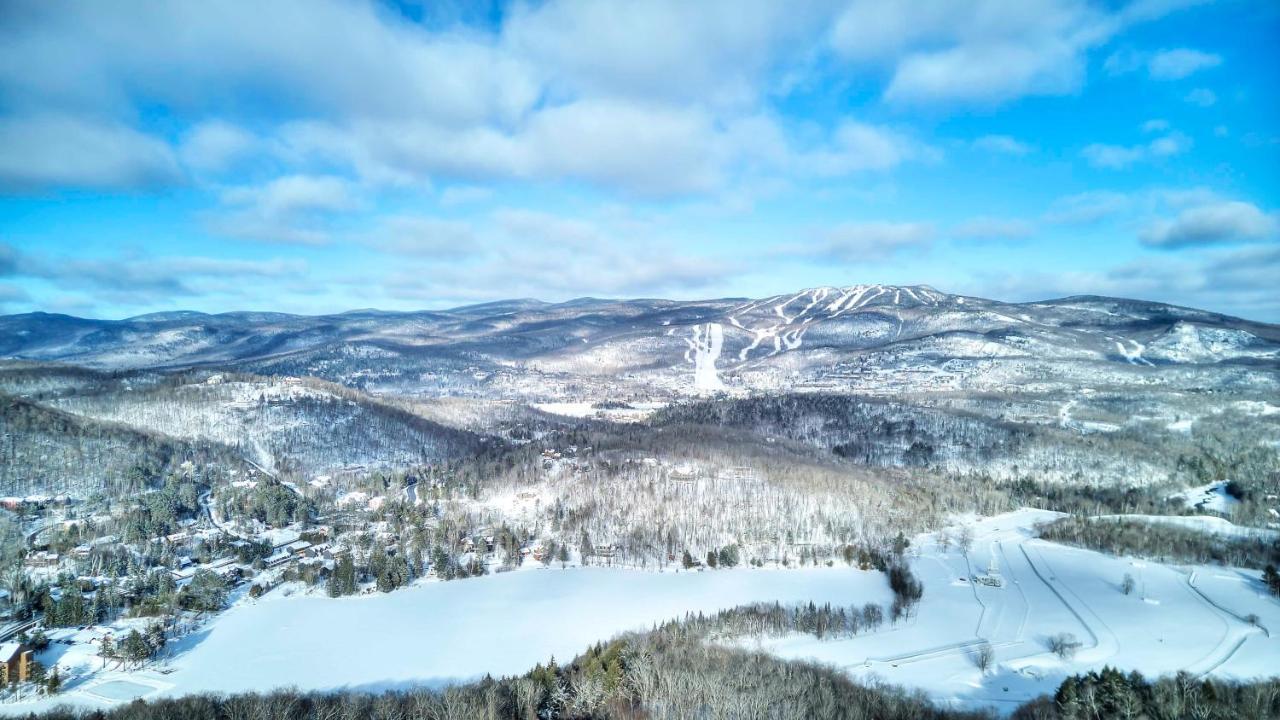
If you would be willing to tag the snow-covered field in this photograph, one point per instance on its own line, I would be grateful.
(1176, 619)
(439, 632)
(1191, 619)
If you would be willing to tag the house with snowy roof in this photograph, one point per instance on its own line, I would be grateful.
(15, 663)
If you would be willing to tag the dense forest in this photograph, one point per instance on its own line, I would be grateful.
(1164, 543)
(47, 451)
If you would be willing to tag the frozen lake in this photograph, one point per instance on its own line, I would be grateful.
(500, 624)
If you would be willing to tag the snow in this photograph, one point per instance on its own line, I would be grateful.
(117, 690)
(706, 348)
(1176, 619)
(1134, 356)
(1201, 523)
(1212, 497)
(636, 412)
(1190, 343)
(1165, 626)
(567, 409)
(440, 632)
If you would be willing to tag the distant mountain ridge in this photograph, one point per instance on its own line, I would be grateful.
(818, 335)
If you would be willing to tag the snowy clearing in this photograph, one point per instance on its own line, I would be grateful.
(441, 632)
(1201, 523)
(1167, 624)
(1212, 497)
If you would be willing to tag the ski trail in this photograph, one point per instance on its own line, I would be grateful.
(1226, 648)
(856, 302)
(818, 296)
(1016, 582)
(693, 344)
(840, 301)
(783, 306)
(706, 350)
(1097, 649)
(1134, 356)
(760, 335)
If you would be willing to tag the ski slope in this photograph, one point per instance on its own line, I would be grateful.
(1176, 619)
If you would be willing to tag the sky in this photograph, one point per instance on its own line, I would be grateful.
(316, 156)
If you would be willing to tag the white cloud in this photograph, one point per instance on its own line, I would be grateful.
(292, 209)
(1211, 224)
(1156, 125)
(714, 51)
(455, 195)
(1086, 208)
(986, 51)
(1203, 97)
(528, 253)
(162, 276)
(1003, 144)
(1113, 156)
(216, 146)
(1239, 281)
(1117, 157)
(865, 241)
(430, 237)
(41, 151)
(295, 194)
(1179, 63)
(856, 147)
(993, 228)
(1174, 64)
(193, 56)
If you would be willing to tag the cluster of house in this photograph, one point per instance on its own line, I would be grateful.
(305, 552)
(14, 503)
(42, 559)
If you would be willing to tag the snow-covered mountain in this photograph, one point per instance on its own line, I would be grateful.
(825, 337)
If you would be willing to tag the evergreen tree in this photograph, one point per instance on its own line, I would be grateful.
(135, 648)
(1272, 579)
(36, 673)
(728, 556)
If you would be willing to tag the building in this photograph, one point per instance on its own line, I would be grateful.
(297, 548)
(42, 559)
(15, 663)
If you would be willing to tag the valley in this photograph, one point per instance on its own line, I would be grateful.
(982, 500)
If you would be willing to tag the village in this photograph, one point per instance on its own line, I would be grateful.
(90, 588)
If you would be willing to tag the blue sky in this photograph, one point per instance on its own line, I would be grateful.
(321, 156)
